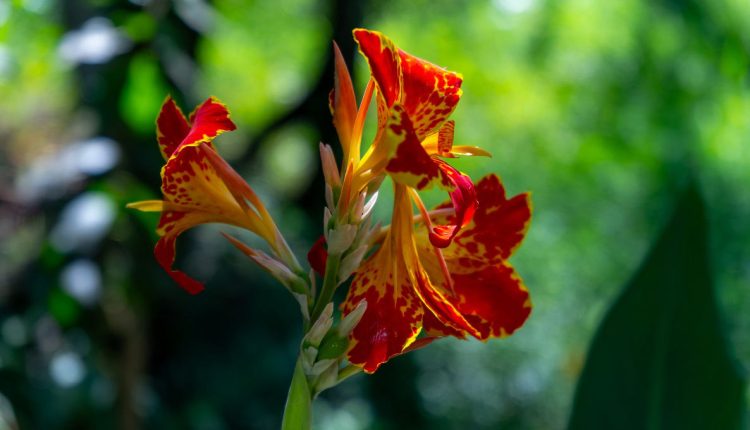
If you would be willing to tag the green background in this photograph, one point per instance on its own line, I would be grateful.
(610, 113)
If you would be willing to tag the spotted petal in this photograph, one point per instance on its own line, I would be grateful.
(393, 317)
(194, 193)
(429, 93)
(493, 299)
(174, 132)
(408, 163)
(497, 228)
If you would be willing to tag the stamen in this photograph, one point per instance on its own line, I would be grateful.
(438, 251)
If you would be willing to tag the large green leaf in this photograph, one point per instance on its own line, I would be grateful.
(660, 359)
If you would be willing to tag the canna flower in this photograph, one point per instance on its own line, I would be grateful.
(200, 187)
(468, 289)
(414, 100)
(450, 276)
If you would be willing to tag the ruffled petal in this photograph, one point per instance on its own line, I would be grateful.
(171, 225)
(208, 120)
(171, 127)
(494, 300)
(428, 93)
(464, 200)
(383, 58)
(497, 228)
(393, 317)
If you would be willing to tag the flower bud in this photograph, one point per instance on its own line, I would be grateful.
(336, 342)
(328, 161)
(351, 262)
(351, 320)
(340, 238)
(319, 327)
(274, 267)
(328, 378)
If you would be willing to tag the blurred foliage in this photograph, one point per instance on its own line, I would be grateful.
(602, 109)
(659, 359)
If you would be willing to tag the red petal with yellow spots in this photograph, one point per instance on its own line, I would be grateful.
(194, 193)
(496, 230)
(174, 132)
(429, 93)
(393, 317)
(383, 58)
(493, 299)
(441, 307)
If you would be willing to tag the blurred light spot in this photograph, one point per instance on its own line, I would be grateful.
(7, 417)
(82, 280)
(96, 155)
(83, 222)
(67, 369)
(354, 414)
(95, 43)
(37, 6)
(52, 176)
(14, 332)
(196, 13)
(514, 6)
(4, 11)
(288, 87)
(6, 59)
(47, 335)
(140, 2)
(288, 160)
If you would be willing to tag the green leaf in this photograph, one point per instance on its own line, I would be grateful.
(298, 410)
(659, 359)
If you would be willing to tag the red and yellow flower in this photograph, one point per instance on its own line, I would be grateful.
(200, 187)
(452, 277)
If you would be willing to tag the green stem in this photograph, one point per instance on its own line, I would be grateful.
(298, 409)
(330, 282)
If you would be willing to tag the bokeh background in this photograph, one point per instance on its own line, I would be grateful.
(604, 110)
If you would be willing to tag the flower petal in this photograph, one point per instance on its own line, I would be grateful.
(343, 102)
(429, 93)
(190, 182)
(494, 300)
(409, 164)
(208, 120)
(393, 317)
(317, 256)
(383, 58)
(442, 307)
(171, 224)
(171, 127)
(464, 200)
(496, 230)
